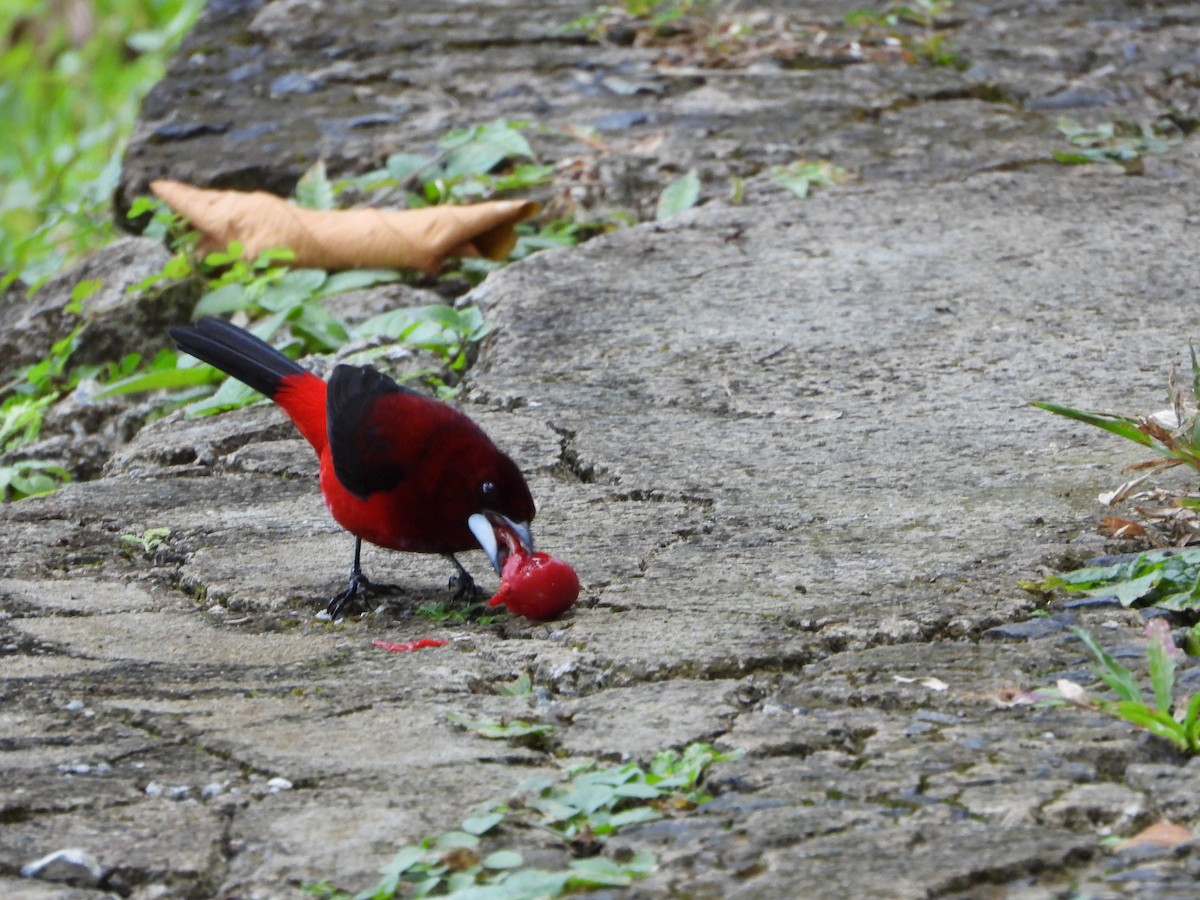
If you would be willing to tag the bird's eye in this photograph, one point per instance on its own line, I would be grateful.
(487, 490)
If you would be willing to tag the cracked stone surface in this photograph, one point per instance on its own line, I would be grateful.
(786, 444)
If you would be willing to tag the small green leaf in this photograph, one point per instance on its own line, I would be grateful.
(478, 150)
(232, 394)
(1135, 589)
(525, 884)
(522, 687)
(268, 326)
(681, 194)
(598, 872)
(454, 839)
(319, 328)
(1191, 723)
(1072, 158)
(356, 279)
(1161, 724)
(633, 816)
(588, 798)
(482, 824)
(402, 166)
(800, 176)
(503, 859)
(218, 258)
(497, 730)
(82, 290)
(223, 300)
(1162, 675)
(313, 190)
(642, 864)
(1115, 675)
(514, 729)
(31, 478)
(163, 379)
(462, 881)
(142, 205)
(640, 790)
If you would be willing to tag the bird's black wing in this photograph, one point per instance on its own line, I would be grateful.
(361, 442)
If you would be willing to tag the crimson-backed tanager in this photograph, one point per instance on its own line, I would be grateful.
(398, 468)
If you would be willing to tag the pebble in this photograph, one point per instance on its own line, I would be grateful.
(72, 865)
(1031, 628)
(1102, 601)
(295, 83)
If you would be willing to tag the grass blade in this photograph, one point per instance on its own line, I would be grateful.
(1153, 721)
(1111, 672)
(1191, 724)
(1118, 425)
(1162, 676)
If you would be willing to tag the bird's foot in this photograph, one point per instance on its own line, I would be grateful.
(357, 596)
(464, 587)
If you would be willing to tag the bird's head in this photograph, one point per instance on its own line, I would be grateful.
(505, 509)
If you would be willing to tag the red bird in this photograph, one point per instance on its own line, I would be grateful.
(398, 469)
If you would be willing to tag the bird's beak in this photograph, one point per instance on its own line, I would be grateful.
(499, 536)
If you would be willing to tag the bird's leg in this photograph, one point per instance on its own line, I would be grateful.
(360, 588)
(462, 584)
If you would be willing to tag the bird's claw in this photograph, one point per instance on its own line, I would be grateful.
(464, 587)
(356, 596)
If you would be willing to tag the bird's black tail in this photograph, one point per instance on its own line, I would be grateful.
(236, 352)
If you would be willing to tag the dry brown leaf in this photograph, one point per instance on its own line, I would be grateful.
(1160, 834)
(649, 145)
(1153, 464)
(347, 239)
(1123, 491)
(1117, 527)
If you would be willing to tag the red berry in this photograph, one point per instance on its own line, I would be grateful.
(538, 587)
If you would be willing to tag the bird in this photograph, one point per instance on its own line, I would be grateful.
(398, 469)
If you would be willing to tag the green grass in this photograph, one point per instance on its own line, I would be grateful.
(1174, 434)
(579, 810)
(1166, 579)
(68, 102)
(1122, 143)
(1177, 721)
(911, 25)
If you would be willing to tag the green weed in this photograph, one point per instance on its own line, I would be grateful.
(68, 102)
(31, 478)
(21, 419)
(149, 540)
(521, 687)
(1166, 579)
(1123, 143)
(681, 194)
(277, 296)
(801, 176)
(1173, 433)
(517, 730)
(32, 390)
(471, 164)
(581, 809)
(1178, 723)
(440, 611)
(912, 26)
(656, 14)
